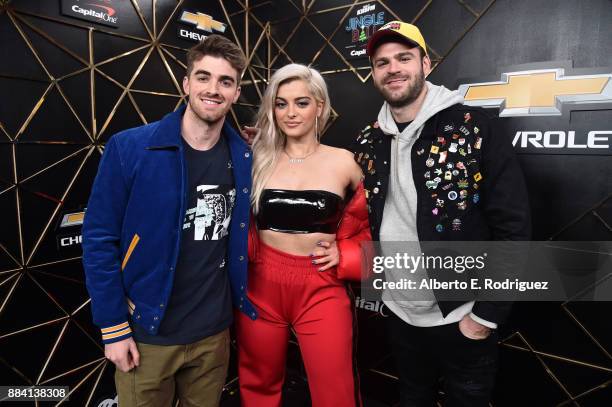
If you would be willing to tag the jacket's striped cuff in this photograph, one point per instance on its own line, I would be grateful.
(116, 333)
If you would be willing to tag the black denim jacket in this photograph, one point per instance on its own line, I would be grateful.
(469, 184)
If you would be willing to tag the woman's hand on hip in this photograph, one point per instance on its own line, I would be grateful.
(326, 255)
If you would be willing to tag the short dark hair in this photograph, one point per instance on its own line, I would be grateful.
(422, 52)
(217, 46)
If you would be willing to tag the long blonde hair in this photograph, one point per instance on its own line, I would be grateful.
(270, 141)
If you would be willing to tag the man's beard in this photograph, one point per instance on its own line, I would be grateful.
(410, 95)
(207, 117)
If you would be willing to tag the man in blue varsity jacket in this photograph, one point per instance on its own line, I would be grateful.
(165, 240)
(437, 170)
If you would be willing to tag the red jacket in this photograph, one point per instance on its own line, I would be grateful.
(354, 228)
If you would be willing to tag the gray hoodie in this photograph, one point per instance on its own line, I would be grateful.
(399, 216)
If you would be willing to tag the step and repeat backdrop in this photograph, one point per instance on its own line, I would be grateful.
(73, 73)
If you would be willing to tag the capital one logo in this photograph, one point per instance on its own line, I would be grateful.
(374, 306)
(109, 10)
(541, 92)
(105, 13)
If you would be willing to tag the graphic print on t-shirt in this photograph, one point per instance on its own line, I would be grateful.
(211, 216)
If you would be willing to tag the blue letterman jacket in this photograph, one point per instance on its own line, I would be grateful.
(132, 227)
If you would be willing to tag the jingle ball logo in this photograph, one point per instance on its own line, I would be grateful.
(361, 26)
(97, 11)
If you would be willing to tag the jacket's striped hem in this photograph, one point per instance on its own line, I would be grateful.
(114, 332)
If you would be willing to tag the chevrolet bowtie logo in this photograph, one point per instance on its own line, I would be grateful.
(72, 219)
(202, 22)
(539, 92)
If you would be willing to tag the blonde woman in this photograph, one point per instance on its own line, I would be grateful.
(309, 216)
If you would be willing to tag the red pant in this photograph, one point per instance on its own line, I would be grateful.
(288, 291)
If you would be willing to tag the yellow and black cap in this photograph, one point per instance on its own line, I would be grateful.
(402, 31)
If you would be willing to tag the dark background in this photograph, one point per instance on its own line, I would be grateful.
(67, 85)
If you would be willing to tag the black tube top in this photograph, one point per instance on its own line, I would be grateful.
(309, 211)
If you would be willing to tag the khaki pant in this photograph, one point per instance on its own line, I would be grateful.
(195, 372)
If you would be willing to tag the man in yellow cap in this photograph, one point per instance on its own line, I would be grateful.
(439, 172)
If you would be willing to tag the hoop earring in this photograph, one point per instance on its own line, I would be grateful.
(318, 136)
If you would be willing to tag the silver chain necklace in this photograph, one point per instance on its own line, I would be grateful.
(299, 160)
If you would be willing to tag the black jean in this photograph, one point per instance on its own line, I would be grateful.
(423, 356)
